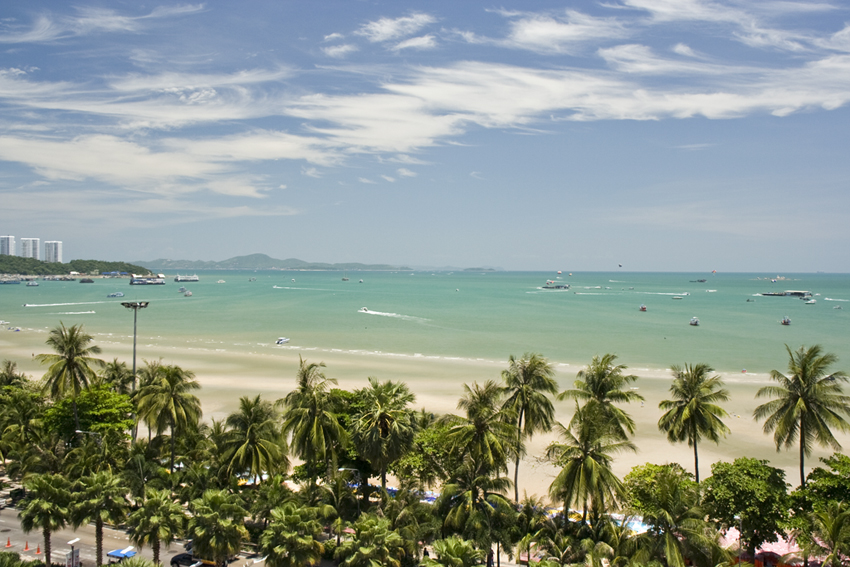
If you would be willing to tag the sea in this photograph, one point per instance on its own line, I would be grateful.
(463, 315)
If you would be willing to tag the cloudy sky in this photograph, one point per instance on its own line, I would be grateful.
(680, 135)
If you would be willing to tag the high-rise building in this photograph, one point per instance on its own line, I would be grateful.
(53, 251)
(7, 245)
(30, 248)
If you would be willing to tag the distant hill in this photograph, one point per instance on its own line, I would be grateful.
(261, 262)
(33, 267)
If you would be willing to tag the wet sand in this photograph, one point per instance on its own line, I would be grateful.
(226, 375)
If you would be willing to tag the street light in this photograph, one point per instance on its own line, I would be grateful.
(135, 306)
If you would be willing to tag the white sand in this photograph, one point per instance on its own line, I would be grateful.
(438, 384)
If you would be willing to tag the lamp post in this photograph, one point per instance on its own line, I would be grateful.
(135, 306)
(740, 537)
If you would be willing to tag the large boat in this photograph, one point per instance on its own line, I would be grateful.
(147, 280)
(694, 322)
(552, 284)
(192, 278)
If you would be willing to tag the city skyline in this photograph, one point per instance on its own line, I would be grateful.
(31, 248)
(663, 136)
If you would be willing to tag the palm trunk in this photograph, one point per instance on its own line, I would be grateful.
(98, 538)
(155, 548)
(76, 417)
(46, 533)
(696, 461)
(518, 445)
(802, 456)
(172, 449)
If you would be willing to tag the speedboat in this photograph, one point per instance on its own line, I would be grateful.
(220, 281)
(694, 322)
(281, 341)
(116, 294)
(187, 294)
(677, 297)
(643, 307)
(811, 302)
(786, 320)
(364, 310)
(182, 289)
(837, 307)
(32, 284)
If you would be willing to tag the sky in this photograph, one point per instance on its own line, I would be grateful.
(663, 135)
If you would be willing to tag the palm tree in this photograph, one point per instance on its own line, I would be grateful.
(313, 428)
(808, 403)
(693, 412)
(585, 458)
(373, 544)
(100, 498)
(9, 375)
(70, 369)
(255, 444)
(46, 507)
(602, 384)
(487, 433)
(454, 552)
(217, 526)
(159, 520)
(118, 376)
(830, 537)
(384, 428)
(527, 382)
(292, 537)
(169, 403)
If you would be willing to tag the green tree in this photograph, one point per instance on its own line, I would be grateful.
(374, 544)
(47, 507)
(384, 429)
(117, 376)
(217, 526)
(99, 498)
(168, 401)
(749, 493)
(71, 369)
(454, 552)
(667, 498)
(693, 412)
(315, 433)
(528, 380)
(602, 385)
(585, 457)
(255, 444)
(292, 537)
(96, 410)
(808, 403)
(431, 458)
(159, 520)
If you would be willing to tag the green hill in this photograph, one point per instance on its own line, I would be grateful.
(33, 267)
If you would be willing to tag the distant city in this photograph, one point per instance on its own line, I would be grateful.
(31, 248)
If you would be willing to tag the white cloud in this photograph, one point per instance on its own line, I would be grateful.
(388, 178)
(339, 50)
(423, 42)
(560, 34)
(636, 58)
(387, 29)
(683, 49)
(334, 37)
(364, 180)
(310, 172)
(404, 172)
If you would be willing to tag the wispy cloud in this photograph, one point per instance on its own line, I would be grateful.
(423, 42)
(386, 29)
(404, 172)
(559, 33)
(339, 50)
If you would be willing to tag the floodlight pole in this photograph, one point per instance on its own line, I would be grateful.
(135, 306)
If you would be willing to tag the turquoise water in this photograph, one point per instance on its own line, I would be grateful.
(466, 315)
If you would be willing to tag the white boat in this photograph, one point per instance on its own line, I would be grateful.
(192, 278)
(221, 281)
(643, 307)
(364, 310)
(694, 322)
(116, 294)
(811, 302)
(677, 297)
(187, 294)
(182, 289)
(361, 281)
(32, 284)
(281, 341)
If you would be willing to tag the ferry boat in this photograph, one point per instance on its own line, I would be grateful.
(192, 278)
(159, 279)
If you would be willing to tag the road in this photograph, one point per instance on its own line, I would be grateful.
(10, 531)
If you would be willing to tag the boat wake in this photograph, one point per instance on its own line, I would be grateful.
(63, 304)
(661, 293)
(307, 288)
(72, 313)
(830, 299)
(394, 316)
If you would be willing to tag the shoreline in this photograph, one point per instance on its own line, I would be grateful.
(226, 374)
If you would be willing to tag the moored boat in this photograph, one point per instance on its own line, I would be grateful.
(694, 322)
(643, 307)
(116, 294)
(786, 320)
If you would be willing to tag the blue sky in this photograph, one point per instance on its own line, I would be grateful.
(680, 135)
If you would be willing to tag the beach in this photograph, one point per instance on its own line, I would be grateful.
(227, 375)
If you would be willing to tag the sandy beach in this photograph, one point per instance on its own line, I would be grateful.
(226, 375)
